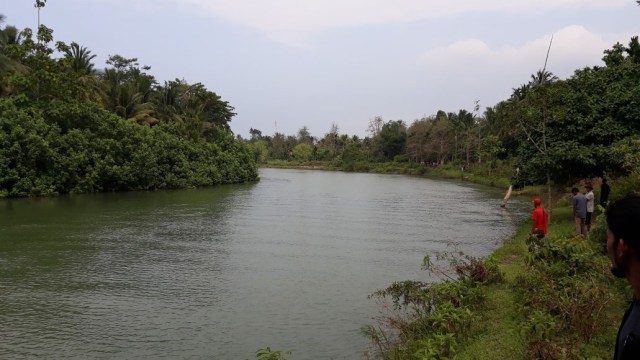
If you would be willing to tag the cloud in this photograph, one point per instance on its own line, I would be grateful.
(477, 68)
(295, 22)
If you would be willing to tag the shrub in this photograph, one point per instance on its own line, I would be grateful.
(624, 186)
(561, 256)
(438, 346)
(427, 319)
(466, 267)
(562, 292)
(581, 304)
(598, 233)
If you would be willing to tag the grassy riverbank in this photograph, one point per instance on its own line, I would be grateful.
(549, 299)
(557, 301)
(496, 174)
(531, 299)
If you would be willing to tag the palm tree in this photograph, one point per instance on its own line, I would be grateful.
(3, 58)
(633, 51)
(9, 36)
(467, 122)
(520, 93)
(13, 36)
(39, 4)
(542, 77)
(80, 59)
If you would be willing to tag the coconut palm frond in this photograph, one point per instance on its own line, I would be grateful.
(80, 58)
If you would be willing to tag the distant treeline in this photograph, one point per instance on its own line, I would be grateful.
(66, 127)
(587, 125)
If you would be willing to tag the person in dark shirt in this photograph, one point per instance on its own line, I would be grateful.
(623, 247)
(604, 193)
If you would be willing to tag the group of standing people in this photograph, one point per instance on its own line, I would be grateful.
(583, 209)
(584, 206)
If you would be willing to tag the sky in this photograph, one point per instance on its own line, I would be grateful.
(287, 64)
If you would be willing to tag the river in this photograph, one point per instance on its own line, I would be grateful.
(219, 273)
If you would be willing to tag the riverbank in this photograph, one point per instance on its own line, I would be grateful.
(549, 299)
(546, 307)
(495, 175)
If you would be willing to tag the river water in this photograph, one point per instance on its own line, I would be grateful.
(219, 273)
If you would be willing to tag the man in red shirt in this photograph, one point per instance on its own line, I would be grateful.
(540, 218)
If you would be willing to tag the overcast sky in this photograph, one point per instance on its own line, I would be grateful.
(285, 64)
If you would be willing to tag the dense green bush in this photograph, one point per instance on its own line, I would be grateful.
(107, 153)
(65, 128)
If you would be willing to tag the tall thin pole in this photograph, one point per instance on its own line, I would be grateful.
(544, 134)
(544, 68)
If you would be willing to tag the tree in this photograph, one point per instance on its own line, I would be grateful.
(534, 119)
(418, 136)
(375, 125)
(260, 151)
(392, 139)
(462, 125)
(568, 127)
(60, 141)
(542, 77)
(279, 149)
(10, 38)
(520, 92)
(489, 148)
(256, 134)
(39, 4)
(353, 149)
(128, 89)
(330, 142)
(302, 152)
(5, 62)
(80, 59)
(304, 136)
(441, 143)
(35, 73)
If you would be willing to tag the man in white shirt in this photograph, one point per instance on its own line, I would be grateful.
(590, 206)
